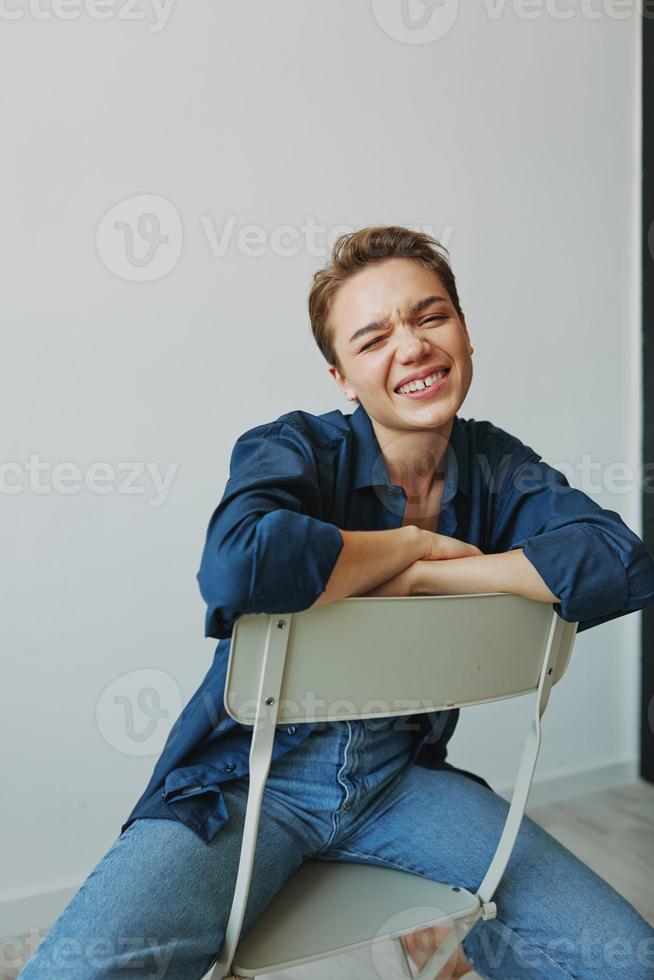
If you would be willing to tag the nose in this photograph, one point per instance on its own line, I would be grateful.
(410, 346)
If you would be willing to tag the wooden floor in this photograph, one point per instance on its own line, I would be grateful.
(611, 831)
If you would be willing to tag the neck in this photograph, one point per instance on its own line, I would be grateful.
(415, 459)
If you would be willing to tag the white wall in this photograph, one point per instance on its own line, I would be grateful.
(514, 139)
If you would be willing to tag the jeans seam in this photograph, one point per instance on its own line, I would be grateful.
(383, 861)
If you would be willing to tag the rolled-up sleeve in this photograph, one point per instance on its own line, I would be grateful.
(268, 547)
(585, 554)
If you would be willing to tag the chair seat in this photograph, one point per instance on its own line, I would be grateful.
(330, 907)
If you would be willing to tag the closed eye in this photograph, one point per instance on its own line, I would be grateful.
(375, 340)
(370, 344)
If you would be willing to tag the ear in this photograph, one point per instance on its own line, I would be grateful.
(465, 330)
(342, 383)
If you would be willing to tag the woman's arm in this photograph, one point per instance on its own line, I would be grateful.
(267, 548)
(507, 572)
(369, 558)
(510, 571)
(585, 553)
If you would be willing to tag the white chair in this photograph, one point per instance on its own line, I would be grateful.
(366, 658)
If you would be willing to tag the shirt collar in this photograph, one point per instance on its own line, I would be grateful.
(370, 469)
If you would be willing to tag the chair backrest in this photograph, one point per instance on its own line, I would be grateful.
(367, 657)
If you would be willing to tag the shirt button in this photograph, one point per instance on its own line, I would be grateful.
(291, 729)
(230, 767)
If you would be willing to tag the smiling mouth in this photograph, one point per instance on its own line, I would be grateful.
(423, 384)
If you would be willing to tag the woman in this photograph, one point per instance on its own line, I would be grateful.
(401, 497)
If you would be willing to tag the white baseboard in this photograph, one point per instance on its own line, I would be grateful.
(36, 913)
(580, 782)
(33, 912)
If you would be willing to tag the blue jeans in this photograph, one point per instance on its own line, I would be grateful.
(158, 901)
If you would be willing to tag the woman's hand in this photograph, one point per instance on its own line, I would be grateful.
(440, 546)
(412, 580)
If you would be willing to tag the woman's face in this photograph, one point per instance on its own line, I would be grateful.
(394, 322)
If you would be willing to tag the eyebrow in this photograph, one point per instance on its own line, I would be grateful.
(414, 309)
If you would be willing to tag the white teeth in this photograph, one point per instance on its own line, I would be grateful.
(422, 383)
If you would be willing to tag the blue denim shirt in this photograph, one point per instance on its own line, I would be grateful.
(274, 539)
